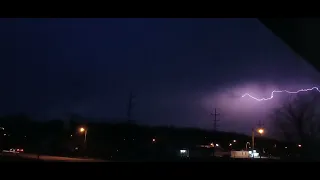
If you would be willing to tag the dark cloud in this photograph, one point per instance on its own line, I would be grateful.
(179, 69)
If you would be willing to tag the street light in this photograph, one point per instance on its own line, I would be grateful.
(83, 130)
(260, 131)
(248, 143)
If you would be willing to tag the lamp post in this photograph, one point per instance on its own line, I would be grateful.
(248, 143)
(85, 131)
(260, 131)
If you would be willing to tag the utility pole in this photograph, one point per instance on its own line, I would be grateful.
(130, 106)
(260, 124)
(215, 120)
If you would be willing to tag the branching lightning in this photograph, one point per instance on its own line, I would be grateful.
(280, 91)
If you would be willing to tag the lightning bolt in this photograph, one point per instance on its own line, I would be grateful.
(280, 91)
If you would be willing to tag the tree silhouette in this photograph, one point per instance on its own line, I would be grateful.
(297, 120)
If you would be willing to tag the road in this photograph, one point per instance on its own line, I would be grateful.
(51, 158)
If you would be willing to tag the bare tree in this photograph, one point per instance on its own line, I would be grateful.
(297, 120)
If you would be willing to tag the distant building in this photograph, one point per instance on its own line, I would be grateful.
(240, 154)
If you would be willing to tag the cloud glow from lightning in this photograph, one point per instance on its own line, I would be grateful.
(280, 91)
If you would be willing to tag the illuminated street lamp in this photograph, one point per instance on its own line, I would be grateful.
(83, 130)
(260, 131)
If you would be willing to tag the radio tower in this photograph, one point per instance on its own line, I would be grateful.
(215, 120)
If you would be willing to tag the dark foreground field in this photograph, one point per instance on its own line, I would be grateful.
(216, 159)
(16, 159)
(20, 158)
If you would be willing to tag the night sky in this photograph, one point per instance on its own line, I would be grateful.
(179, 69)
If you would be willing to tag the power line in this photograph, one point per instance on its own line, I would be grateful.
(215, 120)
